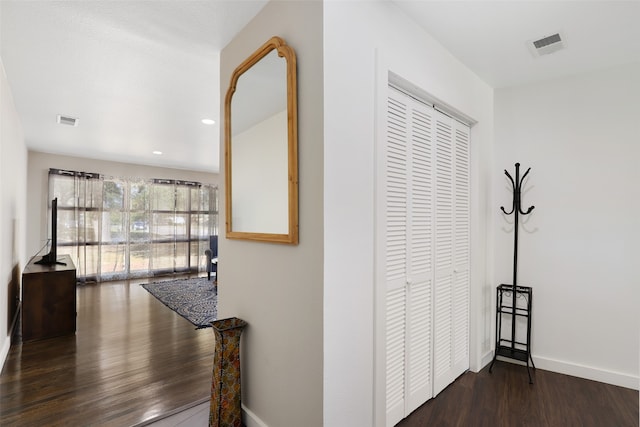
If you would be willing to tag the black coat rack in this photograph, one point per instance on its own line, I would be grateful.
(510, 347)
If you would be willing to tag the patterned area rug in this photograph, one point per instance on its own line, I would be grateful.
(194, 299)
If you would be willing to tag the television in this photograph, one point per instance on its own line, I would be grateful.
(51, 257)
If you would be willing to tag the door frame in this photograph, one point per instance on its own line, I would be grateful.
(384, 76)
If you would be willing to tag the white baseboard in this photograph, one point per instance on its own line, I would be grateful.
(486, 359)
(588, 372)
(577, 370)
(7, 342)
(250, 419)
(4, 352)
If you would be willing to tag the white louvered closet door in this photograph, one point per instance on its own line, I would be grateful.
(408, 255)
(452, 261)
(426, 321)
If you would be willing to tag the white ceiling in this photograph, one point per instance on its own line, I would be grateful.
(490, 37)
(140, 75)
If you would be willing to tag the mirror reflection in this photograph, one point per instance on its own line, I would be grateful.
(259, 146)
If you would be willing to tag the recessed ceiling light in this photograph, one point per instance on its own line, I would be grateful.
(208, 122)
(157, 152)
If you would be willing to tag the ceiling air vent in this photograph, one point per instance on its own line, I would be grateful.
(546, 45)
(66, 120)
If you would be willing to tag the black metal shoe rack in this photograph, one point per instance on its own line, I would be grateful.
(508, 296)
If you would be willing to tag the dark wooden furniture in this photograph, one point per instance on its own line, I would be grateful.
(48, 300)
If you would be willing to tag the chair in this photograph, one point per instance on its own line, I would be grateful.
(212, 257)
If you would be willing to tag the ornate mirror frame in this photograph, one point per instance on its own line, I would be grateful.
(286, 52)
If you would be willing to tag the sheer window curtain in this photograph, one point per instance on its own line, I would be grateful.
(118, 228)
(79, 227)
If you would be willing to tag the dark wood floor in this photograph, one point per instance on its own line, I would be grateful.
(505, 398)
(131, 360)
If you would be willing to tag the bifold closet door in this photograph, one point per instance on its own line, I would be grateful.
(408, 256)
(452, 251)
(425, 325)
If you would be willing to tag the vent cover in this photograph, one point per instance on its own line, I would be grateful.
(66, 120)
(546, 45)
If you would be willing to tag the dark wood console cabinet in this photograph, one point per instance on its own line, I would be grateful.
(48, 299)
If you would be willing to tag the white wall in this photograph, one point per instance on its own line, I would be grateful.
(277, 288)
(260, 176)
(359, 38)
(13, 178)
(37, 185)
(579, 248)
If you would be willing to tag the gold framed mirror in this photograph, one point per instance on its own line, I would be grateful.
(261, 146)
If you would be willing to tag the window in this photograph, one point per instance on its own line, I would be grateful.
(118, 228)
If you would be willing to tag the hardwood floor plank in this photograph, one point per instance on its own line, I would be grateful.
(505, 398)
(131, 360)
